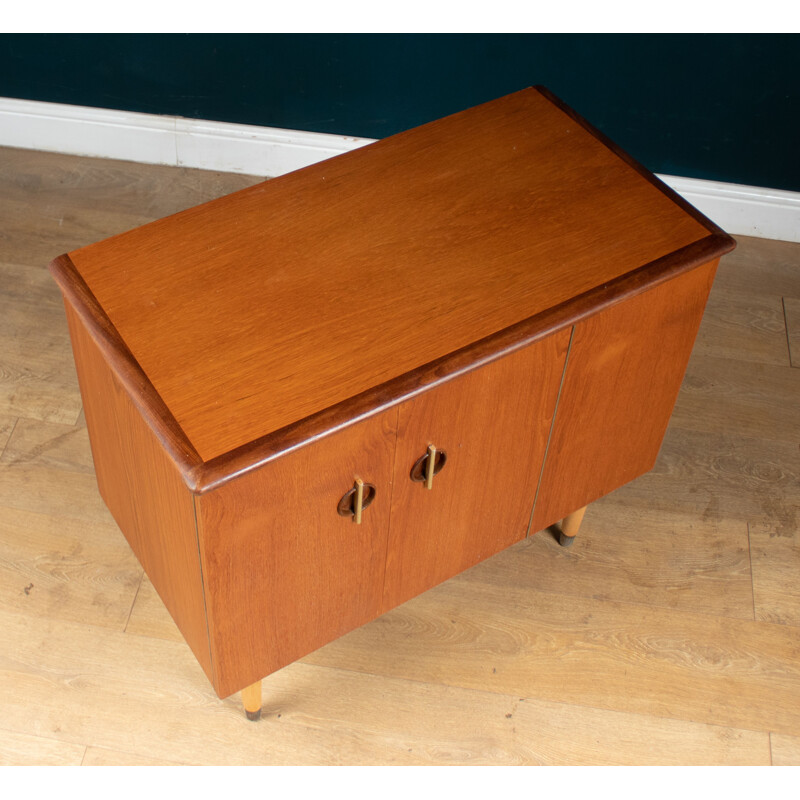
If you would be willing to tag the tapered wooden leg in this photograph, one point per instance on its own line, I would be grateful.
(570, 526)
(251, 698)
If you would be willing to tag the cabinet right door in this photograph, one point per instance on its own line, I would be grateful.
(623, 374)
(493, 424)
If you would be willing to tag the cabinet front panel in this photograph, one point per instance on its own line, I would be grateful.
(285, 573)
(493, 425)
(622, 378)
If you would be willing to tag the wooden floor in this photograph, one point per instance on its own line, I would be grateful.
(668, 634)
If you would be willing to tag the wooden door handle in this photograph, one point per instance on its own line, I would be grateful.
(428, 465)
(355, 500)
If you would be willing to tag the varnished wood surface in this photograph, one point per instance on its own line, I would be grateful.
(624, 370)
(678, 579)
(253, 313)
(143, 490)
(493, 425)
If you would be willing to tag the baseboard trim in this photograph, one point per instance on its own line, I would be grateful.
(254, 150)
(154, 139)
(743, 210)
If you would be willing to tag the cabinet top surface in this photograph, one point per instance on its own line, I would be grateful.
(257, 310)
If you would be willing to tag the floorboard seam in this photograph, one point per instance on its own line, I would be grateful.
(133, 603)
(5, 446)
(752, 575)
(786, 331)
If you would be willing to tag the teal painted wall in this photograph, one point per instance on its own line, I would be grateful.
(723, 107)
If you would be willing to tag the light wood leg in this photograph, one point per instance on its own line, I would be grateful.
(251, 698)
(570, 526)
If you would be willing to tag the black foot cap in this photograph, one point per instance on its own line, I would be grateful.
(253, 716)
(565, 541)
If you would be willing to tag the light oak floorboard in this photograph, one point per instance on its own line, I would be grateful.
(52, 203)
(636, 555)
(63, 447)
(719, 476)
(32, 232)
(56, 180)
(785, 750)
(24, 750)
(750, 328)
(149, 616)
(75, 684)
(49, 392)
(6, 426)
(791, 310)
(30, 294)
(595, 653)
(48, 490)
(37, 374)
(559, 724)
(760, 267)
(103, 757)
(755, 400)
(775, 553)
(57, 567)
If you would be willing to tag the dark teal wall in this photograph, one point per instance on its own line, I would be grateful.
(724, 107)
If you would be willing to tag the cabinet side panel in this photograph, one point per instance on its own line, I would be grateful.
(493, 425)
(285, 573)
(624, 372)
(143, 490)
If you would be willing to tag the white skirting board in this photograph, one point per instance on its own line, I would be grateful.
(228, 147)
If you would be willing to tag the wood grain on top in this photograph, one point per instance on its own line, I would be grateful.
(252, 312)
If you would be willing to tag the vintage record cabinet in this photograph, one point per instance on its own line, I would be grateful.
(315, 398)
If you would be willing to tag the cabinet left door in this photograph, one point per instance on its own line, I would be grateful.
(284, 572)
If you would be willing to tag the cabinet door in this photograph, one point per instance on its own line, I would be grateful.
(623, 375)
(493, 424)
(284, 572)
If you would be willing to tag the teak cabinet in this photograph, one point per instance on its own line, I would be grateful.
(316, 398)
